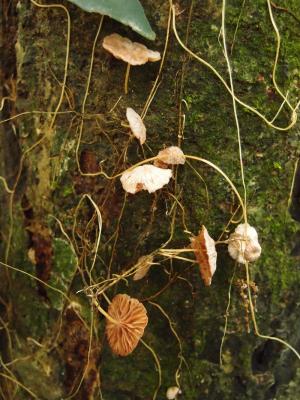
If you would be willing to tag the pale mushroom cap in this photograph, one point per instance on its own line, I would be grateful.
(246, 229)
(143, 265)
(131, 52)
(136, 125)
(172, 392)
(153, 55)
(172, 155)
(131, 319)
(146, 177)
(206, 255)
(243, 244)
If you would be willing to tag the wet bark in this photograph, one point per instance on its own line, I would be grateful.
(53, 339)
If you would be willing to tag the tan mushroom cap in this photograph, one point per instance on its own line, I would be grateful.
(173, 392)
(206, 255)
(172, 155)
(131, 52)
(143, 265)
(131, 319)
(136, 124)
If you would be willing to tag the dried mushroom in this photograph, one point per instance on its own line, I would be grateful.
(173, 392)
(206, 255)
(146, 177)
(243, 245)
(136, 124)
(132, 53)
(143, 265)
(172, 155)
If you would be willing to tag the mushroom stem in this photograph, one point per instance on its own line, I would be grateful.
(106, 315)
(127, 78)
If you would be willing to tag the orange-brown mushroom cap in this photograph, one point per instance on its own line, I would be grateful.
(131, 52)
(206, 255)
(131, 319)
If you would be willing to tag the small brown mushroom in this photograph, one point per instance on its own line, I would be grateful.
(130, 318)
(206, 255)
(132, 53)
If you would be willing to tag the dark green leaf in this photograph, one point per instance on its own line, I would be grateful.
(128, 12)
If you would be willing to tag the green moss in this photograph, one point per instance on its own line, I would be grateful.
(63, 271)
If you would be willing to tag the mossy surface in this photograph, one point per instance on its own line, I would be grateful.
(132, 226)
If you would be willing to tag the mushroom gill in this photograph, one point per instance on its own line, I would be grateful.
(130, 318)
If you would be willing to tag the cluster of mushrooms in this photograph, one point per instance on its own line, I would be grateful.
(128, 316)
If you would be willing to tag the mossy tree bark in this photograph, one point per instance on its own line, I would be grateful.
(53, 339)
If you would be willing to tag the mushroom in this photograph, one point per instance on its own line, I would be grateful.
(206, 255)
(130, 318)
(172, 155)
(132, 53)
(243, 245)
(143, 265)
(136, 124)
(173, 392)
(145, 177)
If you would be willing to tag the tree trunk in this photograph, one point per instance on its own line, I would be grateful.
(66, 225)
